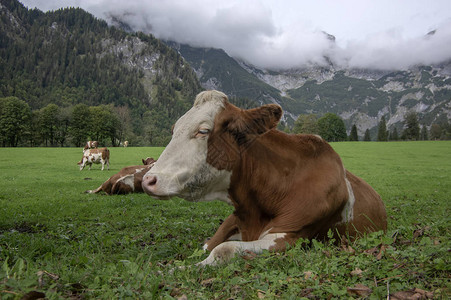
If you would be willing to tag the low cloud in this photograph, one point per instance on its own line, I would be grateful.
(248, 30)
(389, 50)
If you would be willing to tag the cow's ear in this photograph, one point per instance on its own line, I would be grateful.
(244, 125)
(261, 119)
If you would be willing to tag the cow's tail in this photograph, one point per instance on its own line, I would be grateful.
(94, 191)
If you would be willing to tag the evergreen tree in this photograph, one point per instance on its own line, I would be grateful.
(412, 127)
(394, 135)
(367, 137)
(353, 136)
(332, 128)
(424, 133)
(382, 131)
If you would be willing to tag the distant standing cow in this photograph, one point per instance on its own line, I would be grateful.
(127, 180)
(91, 145)
(96, 156)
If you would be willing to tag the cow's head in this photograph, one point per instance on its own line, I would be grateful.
(205, 147)
(148, 161)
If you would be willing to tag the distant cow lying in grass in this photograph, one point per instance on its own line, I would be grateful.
(127, 180)
(95, 156)
(283, 186)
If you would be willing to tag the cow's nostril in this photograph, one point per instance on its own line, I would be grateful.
(149, 182)
(152, 180)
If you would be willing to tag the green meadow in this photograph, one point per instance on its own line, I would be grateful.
(58, 242)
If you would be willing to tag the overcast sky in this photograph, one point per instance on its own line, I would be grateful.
(383, 34)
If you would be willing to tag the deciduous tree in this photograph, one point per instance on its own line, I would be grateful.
(332, 128)
(14, 117)
(48, 122)
(306, 124)
(80, 124)
(435, 131)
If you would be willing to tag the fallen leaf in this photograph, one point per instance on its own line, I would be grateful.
(381, 252)
(417, 233)
(359, 290)
(41, 275)
(33, 295)
(261, 294)
(249, 255)
(356, 272)
(306, 293)
(377, 251)
(327, 253)
(428, 295)
(208, 282)
(308, 274)
(412, 294)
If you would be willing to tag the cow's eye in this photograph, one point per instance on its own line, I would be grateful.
(202, 132)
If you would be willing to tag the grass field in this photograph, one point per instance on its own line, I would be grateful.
(57, 241)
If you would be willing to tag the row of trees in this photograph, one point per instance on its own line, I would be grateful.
(332, 128)
(74, 125)
(413, 131)
(55, 126)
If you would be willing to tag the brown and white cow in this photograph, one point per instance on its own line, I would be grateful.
(91, 145)
(95, 156)
(148, 161)
(127, 180)
(283, 187)
(125, 144)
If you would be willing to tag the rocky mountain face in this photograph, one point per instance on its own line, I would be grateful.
(359, 96)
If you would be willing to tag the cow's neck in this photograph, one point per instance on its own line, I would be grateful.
(256, 202)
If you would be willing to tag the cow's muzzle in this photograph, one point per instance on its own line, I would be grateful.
(149, 185)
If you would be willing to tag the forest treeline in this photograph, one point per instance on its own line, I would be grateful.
(61, 59)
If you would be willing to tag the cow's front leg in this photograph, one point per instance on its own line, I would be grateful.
(103, 165)
(227, 230)
(227, 250)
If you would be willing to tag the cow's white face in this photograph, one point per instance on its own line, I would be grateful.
(182, 169)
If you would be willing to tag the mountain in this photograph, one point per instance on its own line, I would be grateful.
(67, 57)
(358, 96)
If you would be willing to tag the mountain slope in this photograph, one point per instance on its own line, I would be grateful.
(68, 57)
(359, 96)
(216, 70)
